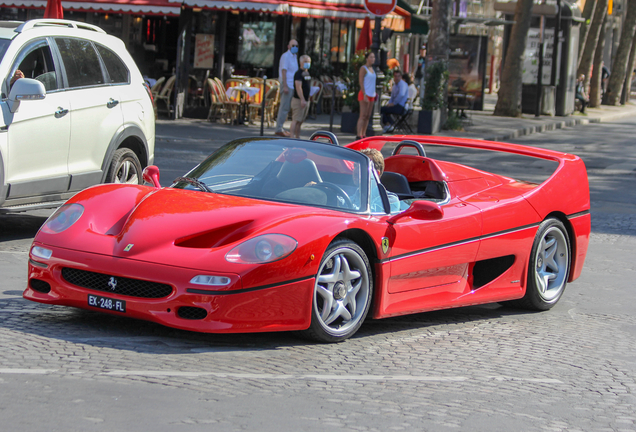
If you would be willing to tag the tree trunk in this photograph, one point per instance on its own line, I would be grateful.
(585, 64)
(588, 15)
(438, 45)
(509, 96)
(597, 70)
(619, 66)
(627, 87)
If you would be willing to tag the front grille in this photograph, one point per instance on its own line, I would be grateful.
(191, 313)
(40, 286)
(115, 284)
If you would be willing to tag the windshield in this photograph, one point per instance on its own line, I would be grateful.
(307, 173)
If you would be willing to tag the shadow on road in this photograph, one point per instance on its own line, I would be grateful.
(19, 226)
(128, 334)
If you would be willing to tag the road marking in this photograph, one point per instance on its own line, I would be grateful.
(419, 378)
(26, 371)
(295, 377)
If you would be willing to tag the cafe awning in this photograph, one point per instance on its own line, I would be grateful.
(142, 7)
(336, 9)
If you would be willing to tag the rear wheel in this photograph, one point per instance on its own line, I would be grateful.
(549, 267)
(342, 293)
(124, 168)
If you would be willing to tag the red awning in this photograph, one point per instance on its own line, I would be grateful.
(141, 7)
(339, 9)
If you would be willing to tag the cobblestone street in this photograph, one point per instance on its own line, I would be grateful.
(481, 368)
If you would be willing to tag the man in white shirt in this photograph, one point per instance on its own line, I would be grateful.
(399, 96)
(286, 69)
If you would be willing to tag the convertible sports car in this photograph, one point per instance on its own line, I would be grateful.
(271, 234)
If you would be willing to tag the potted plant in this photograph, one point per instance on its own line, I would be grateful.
(434, 98)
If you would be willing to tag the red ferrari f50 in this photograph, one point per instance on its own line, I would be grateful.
(272, 234)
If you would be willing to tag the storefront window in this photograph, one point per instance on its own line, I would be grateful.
(256, 46)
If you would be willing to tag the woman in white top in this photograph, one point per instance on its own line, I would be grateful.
(366, 96)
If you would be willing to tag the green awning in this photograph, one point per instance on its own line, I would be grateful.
(419, 25)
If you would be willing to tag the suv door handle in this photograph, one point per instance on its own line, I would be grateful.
(61, 112)
(112, 103)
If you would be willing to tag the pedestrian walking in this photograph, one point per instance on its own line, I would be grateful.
(287, 67)
(366, 96)
(300, 101)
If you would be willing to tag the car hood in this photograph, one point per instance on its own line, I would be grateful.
(176, 227)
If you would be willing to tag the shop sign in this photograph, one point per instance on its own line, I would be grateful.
(380, 7)
(204, 51)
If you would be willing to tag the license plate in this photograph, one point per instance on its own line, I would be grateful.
(106, 303)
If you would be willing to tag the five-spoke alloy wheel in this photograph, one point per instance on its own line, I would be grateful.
(342, 293)
(549, 266)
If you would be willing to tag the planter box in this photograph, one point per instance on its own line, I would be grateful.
(428, 122)
(349, 123)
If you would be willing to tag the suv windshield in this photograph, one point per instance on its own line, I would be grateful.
(307, 173)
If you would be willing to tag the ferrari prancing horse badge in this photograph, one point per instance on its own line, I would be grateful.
(385, 244)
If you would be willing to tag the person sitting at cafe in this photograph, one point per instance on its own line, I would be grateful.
(397, 102)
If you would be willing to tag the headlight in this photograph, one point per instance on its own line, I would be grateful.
(262, 249)
(63, 218)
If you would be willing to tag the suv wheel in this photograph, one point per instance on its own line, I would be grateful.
(124, 168)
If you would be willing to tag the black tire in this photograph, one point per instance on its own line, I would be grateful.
(343, 287)
(124, 168)
(549, 267)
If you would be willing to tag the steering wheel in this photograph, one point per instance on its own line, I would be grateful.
(338, 190)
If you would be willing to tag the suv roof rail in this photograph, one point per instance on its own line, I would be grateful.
(10, 24)
(57, 22)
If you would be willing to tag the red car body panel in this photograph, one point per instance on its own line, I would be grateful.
(429, 264)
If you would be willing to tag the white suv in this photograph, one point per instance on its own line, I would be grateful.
(81, 116)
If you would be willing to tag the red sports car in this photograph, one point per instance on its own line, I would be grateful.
(271, 234)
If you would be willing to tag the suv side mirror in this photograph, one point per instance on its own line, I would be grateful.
(422, 210)
(25, 89)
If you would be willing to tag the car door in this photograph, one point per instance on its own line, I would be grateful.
(430, 259)
(96, 114)
(38, 133)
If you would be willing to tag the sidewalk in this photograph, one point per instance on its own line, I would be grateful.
(481, 125)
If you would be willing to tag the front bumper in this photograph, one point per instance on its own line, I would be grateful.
(279, 307)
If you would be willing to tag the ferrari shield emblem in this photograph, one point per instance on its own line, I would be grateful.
(129, 247)
(385, 244)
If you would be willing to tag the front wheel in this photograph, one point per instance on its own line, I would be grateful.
(124, 168)
(549, 266)
(342, 293)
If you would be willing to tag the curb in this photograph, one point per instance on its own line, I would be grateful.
(571, 122)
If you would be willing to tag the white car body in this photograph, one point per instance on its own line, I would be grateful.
(95, 122)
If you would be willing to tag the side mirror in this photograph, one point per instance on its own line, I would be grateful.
(151, 175)
(25, 89)
(421, 210)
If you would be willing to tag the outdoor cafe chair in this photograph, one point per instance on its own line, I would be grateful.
(222, 106)
(165, 94)
(156, 87)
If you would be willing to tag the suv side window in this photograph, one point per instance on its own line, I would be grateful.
(117, 70)
(36, 61)
(80, 62)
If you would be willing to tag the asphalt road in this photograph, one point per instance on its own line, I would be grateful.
(486, 368)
